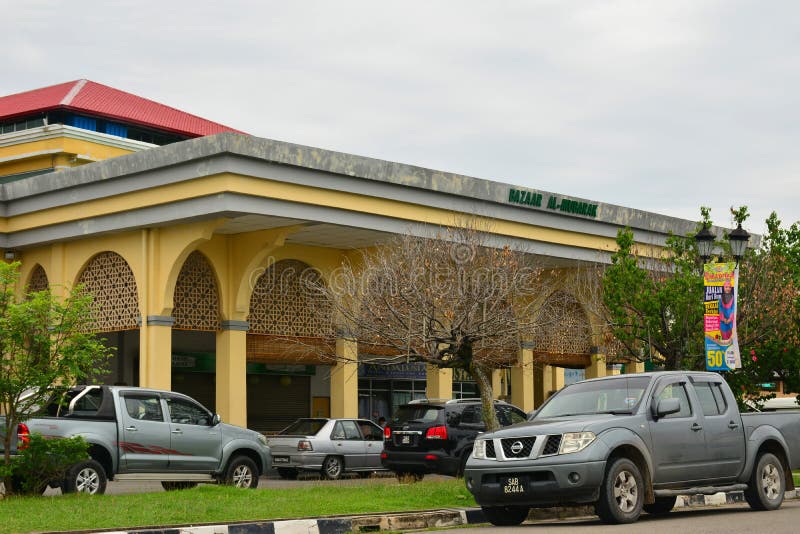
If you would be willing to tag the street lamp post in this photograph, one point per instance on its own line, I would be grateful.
(738, 239)
(705, 242)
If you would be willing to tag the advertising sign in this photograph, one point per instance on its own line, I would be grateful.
(721, 343)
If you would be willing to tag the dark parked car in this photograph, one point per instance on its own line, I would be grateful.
(429, 436)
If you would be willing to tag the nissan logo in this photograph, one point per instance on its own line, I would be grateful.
(517, 447)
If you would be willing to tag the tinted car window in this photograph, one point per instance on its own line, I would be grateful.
(418, 414)
(706, 397)
(472, 415)
(508, 415)
(185, 412)
(146, 408)
(676, 391)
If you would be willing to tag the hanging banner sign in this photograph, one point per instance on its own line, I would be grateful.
(721, 343)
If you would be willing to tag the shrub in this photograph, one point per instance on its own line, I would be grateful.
(44, 460)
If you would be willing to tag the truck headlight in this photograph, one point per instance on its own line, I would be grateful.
(575, 441)
(262, 439)
(479, 449)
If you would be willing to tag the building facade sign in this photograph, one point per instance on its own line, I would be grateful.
(554, 203)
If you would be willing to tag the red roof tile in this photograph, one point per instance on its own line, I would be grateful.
(96, 99)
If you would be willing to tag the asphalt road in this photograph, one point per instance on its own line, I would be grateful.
(729, 519)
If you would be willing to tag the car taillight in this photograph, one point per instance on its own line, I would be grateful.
(436, 432)
(384, 456)
(387, 433)
(304, 445)
(23, 436)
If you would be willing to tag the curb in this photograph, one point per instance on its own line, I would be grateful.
(404, 521)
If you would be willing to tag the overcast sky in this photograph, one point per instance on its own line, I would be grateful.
(663, 106)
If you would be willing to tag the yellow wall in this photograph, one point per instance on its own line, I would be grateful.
(53, 153)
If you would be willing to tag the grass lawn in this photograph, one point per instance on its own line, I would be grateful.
(211, 504)
(796, 475)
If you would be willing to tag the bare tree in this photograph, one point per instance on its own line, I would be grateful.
(453, 299)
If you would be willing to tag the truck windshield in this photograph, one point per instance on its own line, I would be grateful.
(616, 396)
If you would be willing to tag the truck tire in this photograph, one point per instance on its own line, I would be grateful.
(767, 483)
(621, 494)
(663, 505)
(85, 477)
(332, 467)
(287, 473)
(174, 486)
(505, 516)
(241, 473)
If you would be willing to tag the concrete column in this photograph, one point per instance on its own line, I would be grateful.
(522, 379)
(155, 352)
(597, 367)
(438, 382)
(232, 372)
(556, 379)
(634, 367)
(344, 379)
(497, 383)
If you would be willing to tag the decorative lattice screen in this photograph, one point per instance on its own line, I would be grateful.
(196, 296)
(109, 279)
(282, 305)
(563, 327)
(38, 280)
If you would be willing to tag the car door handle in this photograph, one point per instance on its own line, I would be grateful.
(696, 427)
(338, 444)
(130, 429)
(177, 431)
(733, 425)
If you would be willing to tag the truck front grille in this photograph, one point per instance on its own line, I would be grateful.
(552, 445)
(518, 447)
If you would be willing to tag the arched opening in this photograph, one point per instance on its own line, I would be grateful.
(563, 338)
(38, 280)
(115, 312)
(196, 313)
(287, 324)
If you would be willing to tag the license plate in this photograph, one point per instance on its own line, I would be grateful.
(512, 485)
(405, 440)
(280, 459)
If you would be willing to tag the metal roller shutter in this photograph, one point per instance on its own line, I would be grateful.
(273, 405)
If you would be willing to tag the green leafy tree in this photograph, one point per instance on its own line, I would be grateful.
(44, 343)
(768, 322)
(653, 306)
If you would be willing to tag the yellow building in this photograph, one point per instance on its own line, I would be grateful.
(179, 226)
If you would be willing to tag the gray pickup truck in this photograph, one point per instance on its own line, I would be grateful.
(146, 434)
(631, 443)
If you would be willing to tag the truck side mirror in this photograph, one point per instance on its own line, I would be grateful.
(216, 420)
(667, 406)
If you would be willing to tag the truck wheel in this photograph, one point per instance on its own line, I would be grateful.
(174, 486)
(505, 516)
(767, 483)
(332, 467)
(287, 474)
(662, 505)
(241, 473)
(621, 494)
(85, 477)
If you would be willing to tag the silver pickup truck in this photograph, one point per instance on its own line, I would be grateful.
(631, 443)
(146, 434)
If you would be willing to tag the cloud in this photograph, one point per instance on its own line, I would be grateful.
(662, 106)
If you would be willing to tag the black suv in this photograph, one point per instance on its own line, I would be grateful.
(429, 436)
